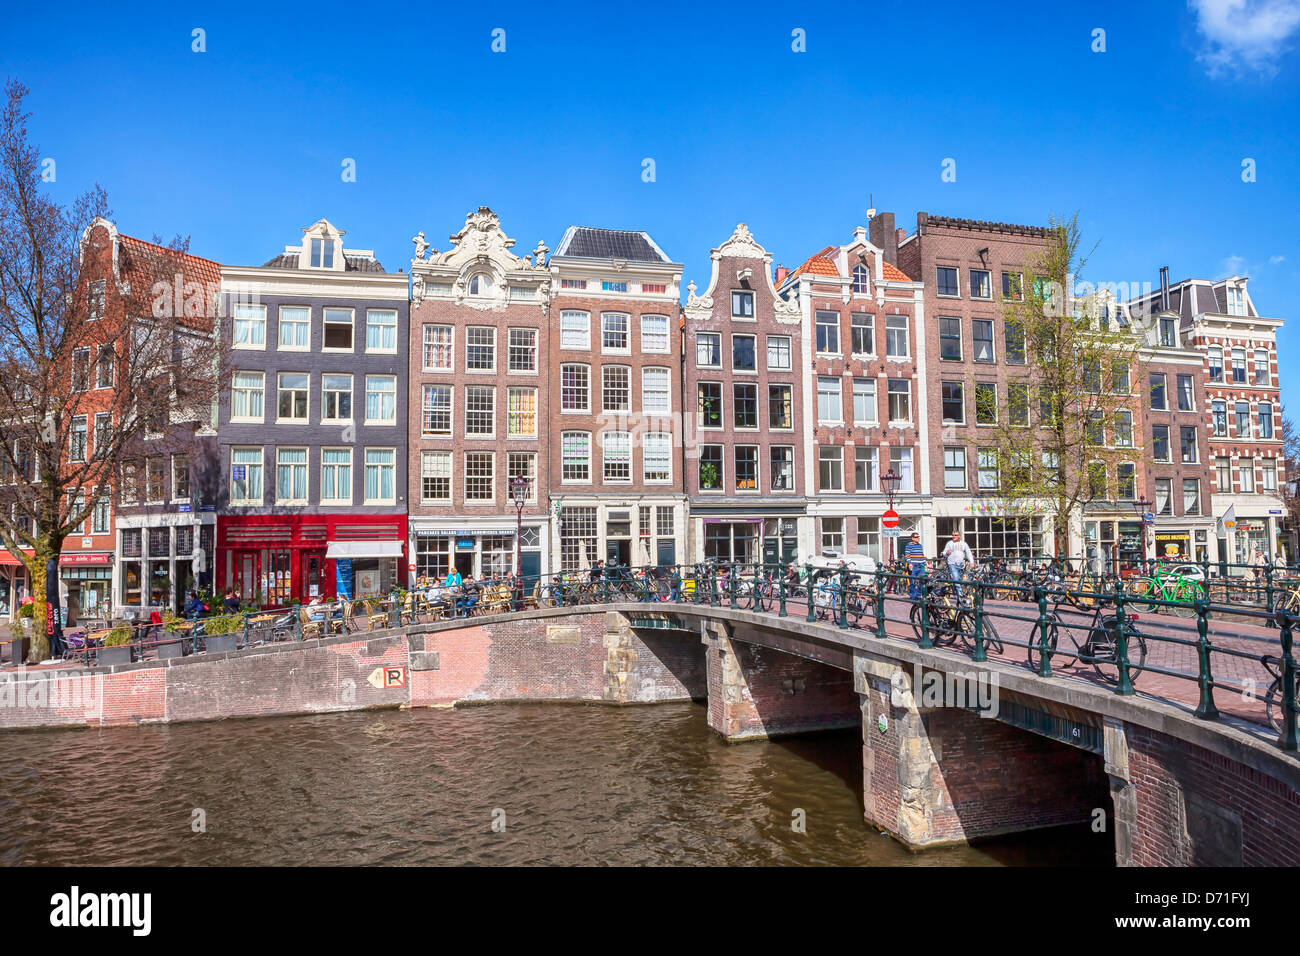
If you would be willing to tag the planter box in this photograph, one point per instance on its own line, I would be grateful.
(178, 649)
(220, 642)
(19, 647)
(121, 654)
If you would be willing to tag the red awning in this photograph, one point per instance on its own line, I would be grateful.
(8, 559)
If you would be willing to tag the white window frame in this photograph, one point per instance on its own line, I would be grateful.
(324, 393)
(380, 350)
(257, 317)
(379, 465)
(335, 466)
(667, 334)
(352, 324)
(306, 419)
(568, 315)
(391, 379)
(281, 324)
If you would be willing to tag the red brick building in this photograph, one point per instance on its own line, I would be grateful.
(863, 326)
(479, 406)
(1240, 414)
(969, 268)
(745, 467)
(615, 379)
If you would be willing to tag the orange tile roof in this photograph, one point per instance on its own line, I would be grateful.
(895, 274)
(817, 264)
(194, 268)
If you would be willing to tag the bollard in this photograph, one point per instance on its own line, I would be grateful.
(781, 594)
(1205, 710)
(732, 584)
(809, 592)
(1044, 650)
(925, 641)
(844, 599)
(880, 604)
(1268, 594)
(1289, 705)
(980, 655)
(297, 625)
(246, 632)
(1125, 685)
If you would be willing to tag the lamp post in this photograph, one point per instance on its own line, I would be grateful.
(889, 482)
(1140, 508)
(519, 494)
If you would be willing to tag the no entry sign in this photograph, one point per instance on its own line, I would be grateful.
(889, 519)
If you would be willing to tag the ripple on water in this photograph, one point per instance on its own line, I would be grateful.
(578, 785)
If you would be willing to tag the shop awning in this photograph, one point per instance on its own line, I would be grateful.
(364, 549)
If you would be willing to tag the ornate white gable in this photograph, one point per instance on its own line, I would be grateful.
(479, 268)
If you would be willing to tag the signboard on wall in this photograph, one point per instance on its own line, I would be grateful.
(343, 578)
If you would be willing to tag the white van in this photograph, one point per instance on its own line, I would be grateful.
(830, 561)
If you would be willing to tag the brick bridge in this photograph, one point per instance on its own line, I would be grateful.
(937, 768)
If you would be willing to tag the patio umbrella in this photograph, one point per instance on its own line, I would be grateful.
(645, 552)
(584, 563)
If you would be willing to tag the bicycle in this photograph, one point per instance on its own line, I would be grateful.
(1273, 704)
(1101, 649)
(947, 618)
(1178, 591)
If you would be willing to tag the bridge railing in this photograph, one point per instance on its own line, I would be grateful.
(1223, 646)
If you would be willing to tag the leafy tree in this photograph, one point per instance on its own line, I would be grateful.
(1065, 434)
(71, 305)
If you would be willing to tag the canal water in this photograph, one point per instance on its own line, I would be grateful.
(561, 784)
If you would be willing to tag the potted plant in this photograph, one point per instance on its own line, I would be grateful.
(175, 645)
(20, 641)
(709, 478)
(117, 647)
(221, 633)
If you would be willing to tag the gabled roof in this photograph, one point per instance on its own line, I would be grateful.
(194, 268)
(588, 242)
(893, 273)
(818, 264)
(289, 260)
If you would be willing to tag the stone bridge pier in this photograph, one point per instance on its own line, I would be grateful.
(931, 775)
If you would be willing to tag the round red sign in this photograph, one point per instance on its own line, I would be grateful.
(889, 519)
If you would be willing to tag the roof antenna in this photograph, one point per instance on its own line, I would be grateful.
(871, 213)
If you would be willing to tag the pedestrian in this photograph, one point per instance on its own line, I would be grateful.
(1261, 564)
(958, 555)
(231, 603)
(453, 579)
(914, 555)
(194, 608)
(596, 570)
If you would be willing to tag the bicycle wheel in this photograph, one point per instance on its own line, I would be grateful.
(1145, 588)
(1104, 655)
(1184, 596)
(1274, 706)
(1035, 644)
(992, 642)
(763, 596)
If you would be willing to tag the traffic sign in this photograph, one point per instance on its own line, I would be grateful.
(387, 677)
(891, 532)
(1149, 517)
(889, 519)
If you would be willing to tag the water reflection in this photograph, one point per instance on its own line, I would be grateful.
(576, 785)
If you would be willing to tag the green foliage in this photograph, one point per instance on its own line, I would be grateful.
(117, 637)
(709, 477)
(224, 624)
(26, 610)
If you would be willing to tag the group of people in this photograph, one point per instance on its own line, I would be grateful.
(957, 555)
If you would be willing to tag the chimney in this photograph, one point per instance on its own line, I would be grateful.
(899, 235)
(781, 273)
(884, 236)
(1164, 288)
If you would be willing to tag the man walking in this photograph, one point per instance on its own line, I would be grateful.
(958, 555)
(914, 554)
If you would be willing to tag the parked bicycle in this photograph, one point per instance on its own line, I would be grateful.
(1100, 648)
(1273, 696)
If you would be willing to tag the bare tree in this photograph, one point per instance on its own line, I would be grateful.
(1066, 436)
(77, 308)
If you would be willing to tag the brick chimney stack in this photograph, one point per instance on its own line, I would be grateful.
(884, 236)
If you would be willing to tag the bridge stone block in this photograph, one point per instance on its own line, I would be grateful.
(757, 692)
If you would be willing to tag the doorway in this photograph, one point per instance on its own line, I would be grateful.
(465, 564)
(313, 576)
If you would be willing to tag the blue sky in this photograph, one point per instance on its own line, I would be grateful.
(242, 145)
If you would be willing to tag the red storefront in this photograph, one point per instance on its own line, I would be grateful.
(273, 560)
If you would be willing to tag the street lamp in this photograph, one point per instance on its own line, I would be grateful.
(519, 495)
(889, 481)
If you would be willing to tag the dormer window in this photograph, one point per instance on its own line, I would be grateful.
(1168, 337)
(322, 254)
(480, 284)
(1236, 301)
(860, 280)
